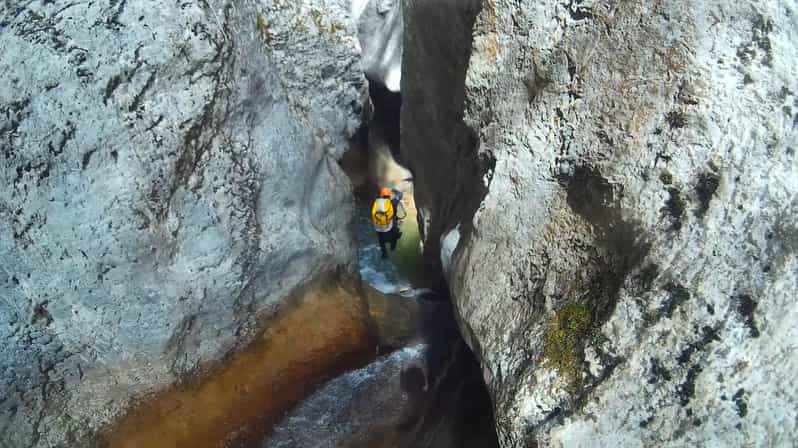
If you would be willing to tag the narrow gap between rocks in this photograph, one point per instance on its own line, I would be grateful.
(373, 162)
(375, 362)
(371, 362)
(456, 410)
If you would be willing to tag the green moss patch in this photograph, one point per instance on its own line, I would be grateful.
(564, 341)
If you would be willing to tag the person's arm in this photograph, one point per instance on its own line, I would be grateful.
(400, 205)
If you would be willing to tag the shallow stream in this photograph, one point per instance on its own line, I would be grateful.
(426, 391)
(343, 364)
(370, 362)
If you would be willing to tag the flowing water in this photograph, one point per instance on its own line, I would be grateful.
(290, 387)
(427, 393)
(373, 363)
(400, 273)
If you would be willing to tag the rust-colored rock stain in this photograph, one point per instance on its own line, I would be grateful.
(322, 333)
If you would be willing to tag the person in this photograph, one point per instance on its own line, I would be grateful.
(385, 218)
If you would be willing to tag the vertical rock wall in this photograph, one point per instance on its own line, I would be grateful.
(169, 175)
(629, 277)
(380, 28)
(436, 145)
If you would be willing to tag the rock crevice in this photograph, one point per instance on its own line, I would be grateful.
(450, 172)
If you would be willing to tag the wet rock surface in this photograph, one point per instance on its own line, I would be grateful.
(427, 393)
(628, 277)
(336, 415)
(241, 398)
(170, 176)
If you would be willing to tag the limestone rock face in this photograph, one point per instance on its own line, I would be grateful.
(169, 175)
(380, 28)
(436, 145)
(629, 277)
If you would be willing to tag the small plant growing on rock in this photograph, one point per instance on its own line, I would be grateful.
(263, 28)
(320, 21)
(564, 342)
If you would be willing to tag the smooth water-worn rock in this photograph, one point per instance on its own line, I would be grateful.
(380, 29)
(170, 175)
(438, 148)
(367, 407)
(429, 393)
(238, 401)
(627, 277)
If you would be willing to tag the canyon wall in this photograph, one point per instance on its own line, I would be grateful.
(626, 272)
(380, 31)
(169, 175)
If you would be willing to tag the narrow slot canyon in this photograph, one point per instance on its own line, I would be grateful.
(278, 335)
(384, 367)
